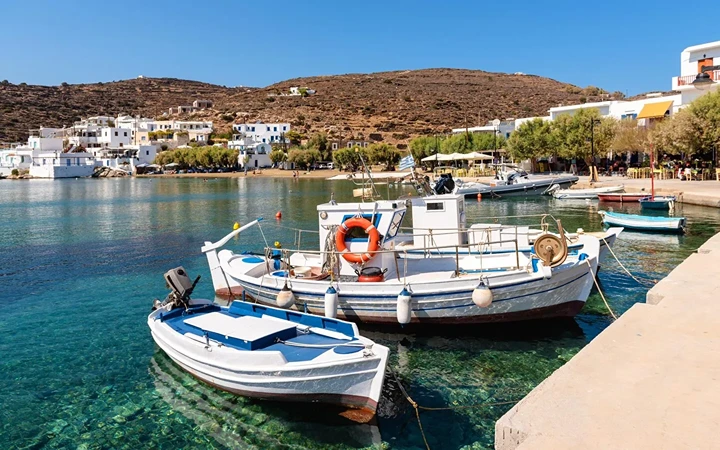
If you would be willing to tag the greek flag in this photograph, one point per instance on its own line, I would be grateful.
(407, 162)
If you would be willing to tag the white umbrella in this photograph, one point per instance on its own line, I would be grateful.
(436, 157)
(474, 156)
(457, 156)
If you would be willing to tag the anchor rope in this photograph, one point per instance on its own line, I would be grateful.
(418, 407)
(597, 285)
(639, 281)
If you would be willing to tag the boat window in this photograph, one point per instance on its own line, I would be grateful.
(435, 206)
(358, 233)
(395, 224)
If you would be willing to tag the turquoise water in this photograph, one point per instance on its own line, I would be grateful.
(81, 261)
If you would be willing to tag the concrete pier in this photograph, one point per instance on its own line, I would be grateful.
(651, 380)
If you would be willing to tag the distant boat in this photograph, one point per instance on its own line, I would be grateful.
(269, 353)
(658, 202)
(622, 197)
(590, 193)
(511, 181)
(644, 223)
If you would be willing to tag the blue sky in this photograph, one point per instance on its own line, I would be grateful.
(631, 46)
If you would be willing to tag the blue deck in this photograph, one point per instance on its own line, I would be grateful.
(176, 319)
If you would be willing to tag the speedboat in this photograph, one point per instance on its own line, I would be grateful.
(512, 181)
(358, 274)
(591, 193)
(644, 223)
(269, 353)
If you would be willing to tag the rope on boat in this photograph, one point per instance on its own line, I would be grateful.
(296, 344)
(639, 281)
(417, 407)
(597, 285)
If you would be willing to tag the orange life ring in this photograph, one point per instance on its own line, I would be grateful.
(374, 239)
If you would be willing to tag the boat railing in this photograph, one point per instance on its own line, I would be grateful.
(335, 255)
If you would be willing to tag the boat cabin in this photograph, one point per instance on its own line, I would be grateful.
(437, 221)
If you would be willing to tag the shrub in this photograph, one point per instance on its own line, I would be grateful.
(15, 172)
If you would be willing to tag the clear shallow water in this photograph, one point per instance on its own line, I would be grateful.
(81, 261)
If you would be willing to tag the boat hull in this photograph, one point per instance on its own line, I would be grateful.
(641, 223)
(621, 197)
(516, 297)
(657, 203)
(354, 384)
(586, 193)
(536, 187)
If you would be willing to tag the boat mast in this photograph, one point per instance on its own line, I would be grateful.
(652, 173)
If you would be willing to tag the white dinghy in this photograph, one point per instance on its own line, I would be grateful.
(590, 193)
(359, 274)
(269, 353)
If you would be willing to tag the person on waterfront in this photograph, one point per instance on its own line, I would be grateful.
(573, 166)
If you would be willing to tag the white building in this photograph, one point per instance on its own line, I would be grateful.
(694, 61)
(257, 153)
(198, 130)
(499, 127)
(263, 133)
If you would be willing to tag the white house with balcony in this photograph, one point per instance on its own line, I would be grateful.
(51, 160)
(499, 127)
(262, 133)
(699, 72)
(252, 154)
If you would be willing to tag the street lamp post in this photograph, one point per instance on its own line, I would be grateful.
(496, 125)
(593, 168)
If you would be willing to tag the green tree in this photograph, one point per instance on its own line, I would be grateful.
(682, 133)
(575, 137)
(294, 137)
(424, 146)
(706, 123)
(278, 156)
(349, 158)
(629, 137)
(383, 154)
(532, 139)
(319, 142)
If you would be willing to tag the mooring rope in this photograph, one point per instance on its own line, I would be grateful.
(639, 281)
(417, 407)
(597, 285)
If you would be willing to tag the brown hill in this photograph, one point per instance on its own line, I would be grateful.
(388, 106)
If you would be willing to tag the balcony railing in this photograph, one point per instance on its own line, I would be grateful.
(687, 80)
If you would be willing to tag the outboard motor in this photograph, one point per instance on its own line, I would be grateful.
(180, 286)
(444, 184)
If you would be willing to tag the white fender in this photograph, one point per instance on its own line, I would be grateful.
(404, 309)
(482, 296)
(331, 302)
(285, 297)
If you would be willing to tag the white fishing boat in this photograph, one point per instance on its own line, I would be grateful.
(269, 353)
(510, 181)
(359, 274)
(591, 193)
(644, 223)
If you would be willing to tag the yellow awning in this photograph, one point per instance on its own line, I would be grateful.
(654, 110)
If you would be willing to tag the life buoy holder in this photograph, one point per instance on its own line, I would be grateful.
(373, 239)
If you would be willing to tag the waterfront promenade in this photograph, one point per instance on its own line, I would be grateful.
(648, 381)
(702, 193)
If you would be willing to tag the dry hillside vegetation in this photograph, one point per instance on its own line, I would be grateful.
(388, 106)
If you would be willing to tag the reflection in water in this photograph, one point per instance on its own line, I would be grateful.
(81, 261)
(237, 422)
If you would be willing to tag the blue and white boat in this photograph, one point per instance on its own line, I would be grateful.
(269, 353)
(658, 202)
(644, 223)
(374, 282)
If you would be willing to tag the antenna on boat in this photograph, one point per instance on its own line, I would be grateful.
(375, 192)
